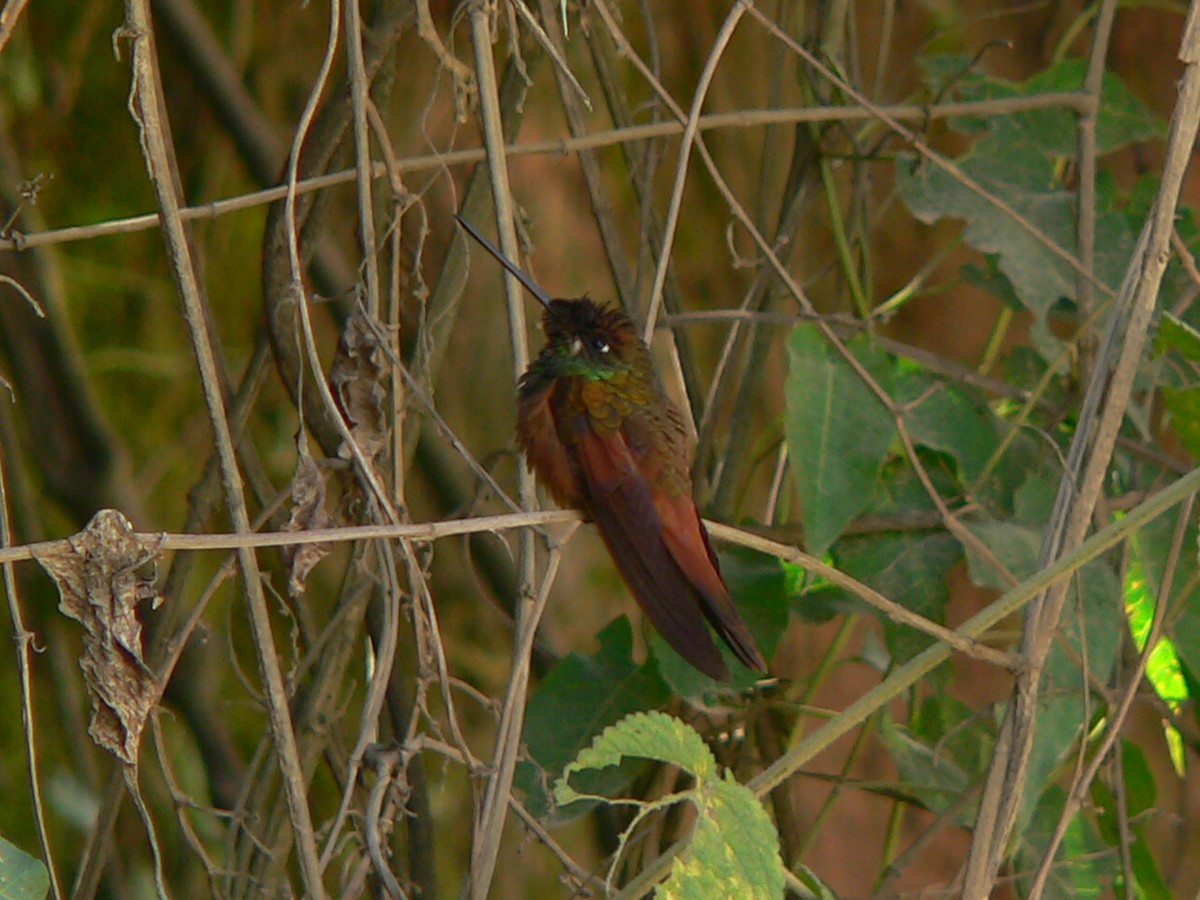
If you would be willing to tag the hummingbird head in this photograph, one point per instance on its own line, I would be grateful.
(586, 339)
(583, 338)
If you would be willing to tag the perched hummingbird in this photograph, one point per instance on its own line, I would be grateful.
(603, 437)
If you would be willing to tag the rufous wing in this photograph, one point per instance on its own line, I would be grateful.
(662, 552)
(687, 542)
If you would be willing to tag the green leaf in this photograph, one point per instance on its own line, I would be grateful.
(957, 730)
(646, 735)
(838, 432)
(1034, 500)
(763, 588)
(734, 849)
(909, 567)
(1039, 276)
(1184, 406)
(1140, 791)
(1018, 159)
(1014, 546)
(926, 771)
(580, 697)
(22, 877)
(1064, 707)
(942, 417)
(1163, 669)
(1122, 118)
(1143, 584)
(1149, 881)
(1175, 334)
(1082, 863)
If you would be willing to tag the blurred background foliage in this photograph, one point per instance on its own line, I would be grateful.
(961, 322)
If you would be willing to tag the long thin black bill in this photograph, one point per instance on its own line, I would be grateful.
(530, 285)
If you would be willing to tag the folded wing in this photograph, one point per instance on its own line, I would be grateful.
(663, 553)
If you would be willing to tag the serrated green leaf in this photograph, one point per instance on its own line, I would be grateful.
(838, 432)
(22, 877)
(1039, 275)
(645, 735)
(734, 850)
(577, 700)
(1018, 159)
(1122, 117)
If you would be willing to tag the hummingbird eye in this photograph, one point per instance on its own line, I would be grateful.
(598, 343)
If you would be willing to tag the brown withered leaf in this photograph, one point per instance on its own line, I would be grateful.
(102, 574)
(357, 381)
(308, 513)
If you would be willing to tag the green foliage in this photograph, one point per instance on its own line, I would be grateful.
(909, 566)
(1087, 632)
(1139, 798)
(1184, 406)
(1016, 159)
(1177, 651)
(734, 849)
(997, 465)
(1174, 334)
(838, 432)
(22, 877)
(945, 418)
(576, 702)
(1081, 866)
(916, 455)
(944, 751)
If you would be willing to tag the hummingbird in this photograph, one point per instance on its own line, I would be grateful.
(602, 437)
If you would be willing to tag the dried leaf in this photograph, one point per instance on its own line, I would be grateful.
(308, 513)
(102, 574)
(357, 381)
